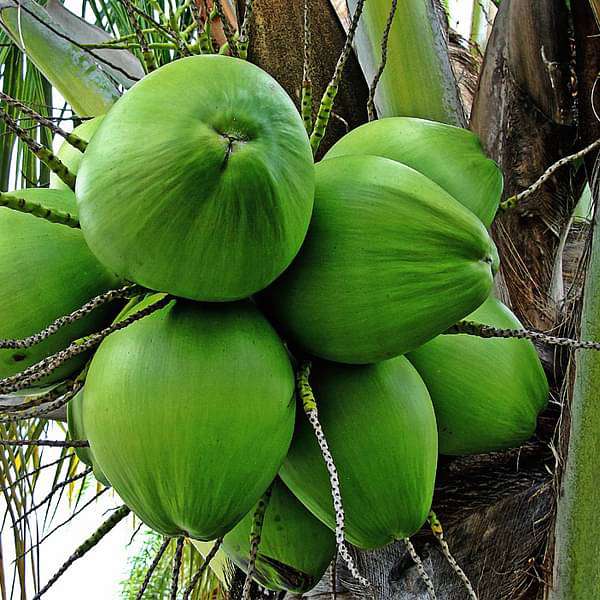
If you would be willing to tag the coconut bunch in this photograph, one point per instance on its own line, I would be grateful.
(242, 260)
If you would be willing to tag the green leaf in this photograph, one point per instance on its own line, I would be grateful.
(74, 72)
(20, 79)
(85, 33)
(418, 80)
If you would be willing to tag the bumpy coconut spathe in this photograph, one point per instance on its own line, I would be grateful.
(47, 271)
(380, 426)
(295, 548)
(487, 393)
(390, 261)
(199, 181)
(189, 413)
(450, 156)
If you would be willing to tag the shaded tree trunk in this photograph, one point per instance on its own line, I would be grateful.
(276, 43)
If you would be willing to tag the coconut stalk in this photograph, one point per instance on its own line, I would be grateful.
(418, 80)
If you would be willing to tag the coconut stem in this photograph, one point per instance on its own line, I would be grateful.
(487, 331)
(421, 569)
(152, 568)
(205, 44)
(38, 400)
(176, 567)
(126, 38)
(438, 532)
(45, 155)
(47, 443)
(228, 32)
(384, 48)
(103, 530)
(126, 291)
(306, 103)
(43, 408)
(167, 33)
(512, 201)
(309, 404)
(255, 535)
(71, 138)
(147, 53)
(131, 46)
(244, 29)
(203, 567)
(49, 364)
(328, 99)
(37, 210)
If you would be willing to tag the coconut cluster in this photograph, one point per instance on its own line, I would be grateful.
(200, 185)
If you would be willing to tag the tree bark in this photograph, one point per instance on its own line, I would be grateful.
(276, 42)
(523, 115)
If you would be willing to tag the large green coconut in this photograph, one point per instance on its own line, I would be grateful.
(47, 271)
(71, 157)
(77, 432)
(390, 261)
(487, 393)
(199, 181)
(295, 548)
(448, 155)
(189, 413)
(380, 426)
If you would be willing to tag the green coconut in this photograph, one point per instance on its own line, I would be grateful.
(189, 413)
(71, 157)
(390, 261)
(295, 548)
(199, 181)
(47, 271)
(487, 393)
(77, 432)
(380, 425)
(450, 156)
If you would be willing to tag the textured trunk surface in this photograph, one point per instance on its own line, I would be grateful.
(276, 44)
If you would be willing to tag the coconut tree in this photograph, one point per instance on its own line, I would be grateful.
(512, 523)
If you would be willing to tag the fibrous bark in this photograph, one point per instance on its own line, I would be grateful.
(522, 113)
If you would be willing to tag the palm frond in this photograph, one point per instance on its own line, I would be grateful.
(71, 69)
(209, 586)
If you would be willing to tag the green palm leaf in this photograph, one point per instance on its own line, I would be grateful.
(73, 71)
